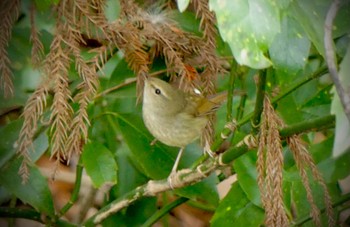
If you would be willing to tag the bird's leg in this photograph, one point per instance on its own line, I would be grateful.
(177, 161)
(208, 150)
(154, 141)
(174, 169)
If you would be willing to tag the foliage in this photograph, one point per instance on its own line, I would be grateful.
(72, 74)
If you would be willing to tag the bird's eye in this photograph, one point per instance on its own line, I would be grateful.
(157, 91)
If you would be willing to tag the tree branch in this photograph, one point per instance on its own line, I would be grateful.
(331, 58)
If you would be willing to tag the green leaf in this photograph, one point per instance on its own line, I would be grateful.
(337, 168)
(300, 203)
(45, 4)
(182, 4)
(187, 21)
(245, 168)
(112, 10)
(237, 210)
(35, 192)
(290, 48)
(121, 72)
(342, 129)
(249, 28)
(99, 163)
(127, 173)
(311, 16)
(9, 135)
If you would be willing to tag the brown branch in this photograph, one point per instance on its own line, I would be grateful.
(331, 58)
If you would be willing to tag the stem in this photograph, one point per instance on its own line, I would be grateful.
(165, 210)
(331, 58)
(309, 125)
(30, 214)
(75, 193)
(260, 94)
(240, 108)
(231, 87)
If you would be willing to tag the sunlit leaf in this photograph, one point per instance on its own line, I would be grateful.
(237, 210)
(249, 28)
(182, 4)
(99, 163)
(290, 48)
(311, 16)
(245, 168)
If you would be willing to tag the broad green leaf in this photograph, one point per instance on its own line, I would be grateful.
(9, 135)
(182, 4)
(35, 192)
(45, 4)
(342, 129)
(237, 210)
(99, 163)
(128, 176)
(248, 27)
(120, 73)
(341, 22)
(112, 10)
(289, 110)
(187, 21)
(245, 167)
(301, 205)
(290, 48)
(337, 168)
(311, 16)
(111, 65)
(323, 150)
(156, 161)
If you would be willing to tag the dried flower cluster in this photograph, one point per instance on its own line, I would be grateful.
(9, 11)
(270, 166)
(142, 34)
(304, 161)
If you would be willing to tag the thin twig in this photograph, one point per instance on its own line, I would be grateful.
(127, 82)
(166, 209)
(75, 193)
(231, 86)
(331, 58)
(260, 95)
(31, 214)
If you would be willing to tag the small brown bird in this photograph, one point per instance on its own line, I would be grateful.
(173, 117)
